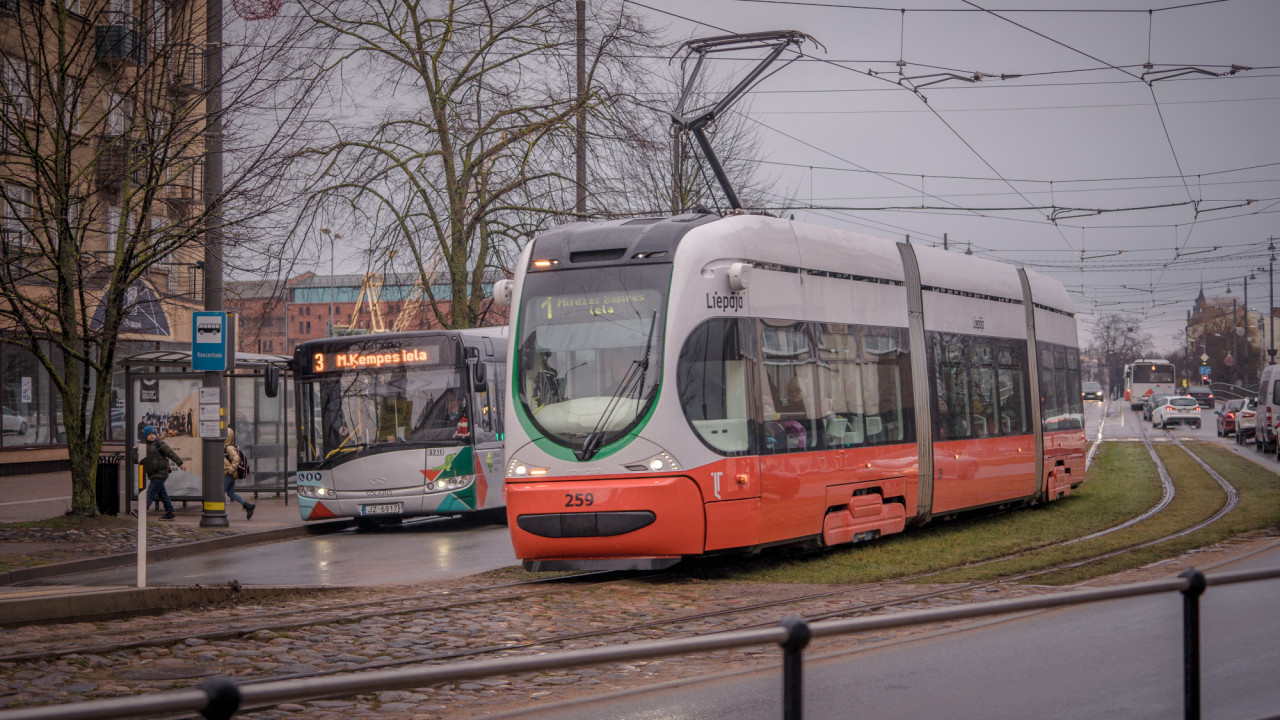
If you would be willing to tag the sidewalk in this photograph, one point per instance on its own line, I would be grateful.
(30, 498)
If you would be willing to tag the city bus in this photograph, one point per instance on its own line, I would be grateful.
(698, 384)
(1143, 378)
(397, 425)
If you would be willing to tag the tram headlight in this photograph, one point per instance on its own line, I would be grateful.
(662, 462)
(517, 469)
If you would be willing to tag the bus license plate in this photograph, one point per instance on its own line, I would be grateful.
(387, 509)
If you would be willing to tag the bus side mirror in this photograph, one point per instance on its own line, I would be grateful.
(479, 377)
(271, 383)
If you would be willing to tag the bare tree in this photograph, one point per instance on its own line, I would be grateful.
(471, 148)
(104, 130)
(1119, 340)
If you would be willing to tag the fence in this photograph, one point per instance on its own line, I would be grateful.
(219, 698)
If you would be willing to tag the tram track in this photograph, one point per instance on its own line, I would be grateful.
(153, 634)
(813, 606)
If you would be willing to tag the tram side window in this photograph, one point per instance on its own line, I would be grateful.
(982, 379)
(1049, 409)
(1012, 399)
(1074, 401)
(840, 380)
(952, 401)
(711, 378)
(864, 386)
(787, 387)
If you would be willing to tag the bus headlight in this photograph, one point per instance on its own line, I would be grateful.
(316, 491)
(443, 484)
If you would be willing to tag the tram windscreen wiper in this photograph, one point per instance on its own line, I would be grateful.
(632, 381)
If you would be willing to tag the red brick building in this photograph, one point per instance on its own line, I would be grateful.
(275, 315)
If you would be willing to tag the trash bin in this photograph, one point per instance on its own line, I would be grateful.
(107, 490)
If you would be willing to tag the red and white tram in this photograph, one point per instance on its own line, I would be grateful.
(696, 384)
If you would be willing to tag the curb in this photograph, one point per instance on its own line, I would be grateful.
(172, 552)
(99, 604)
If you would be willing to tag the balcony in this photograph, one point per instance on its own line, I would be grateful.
(119, 40)
(120, 157)
(10, 119)
(185, 187)
(185, 68)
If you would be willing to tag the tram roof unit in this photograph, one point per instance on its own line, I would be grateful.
(821, 250)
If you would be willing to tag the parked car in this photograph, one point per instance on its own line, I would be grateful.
(1226, 417)
(14, 423)
(1179, 409)
(1150, 405)
(1091, 391)
(1245, 420)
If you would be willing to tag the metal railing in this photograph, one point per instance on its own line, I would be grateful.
(219, 698)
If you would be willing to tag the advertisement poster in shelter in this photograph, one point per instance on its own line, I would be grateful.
(172, 406)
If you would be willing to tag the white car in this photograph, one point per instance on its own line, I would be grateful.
(1182, 409)
(14, 423)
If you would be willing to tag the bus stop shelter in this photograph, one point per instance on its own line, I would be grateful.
(163, 391)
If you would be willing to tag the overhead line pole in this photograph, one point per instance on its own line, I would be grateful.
(214, 509)
(581, 139)
(1271, 310)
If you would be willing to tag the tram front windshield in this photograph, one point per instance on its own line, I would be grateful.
(590, 351)
(382, 409)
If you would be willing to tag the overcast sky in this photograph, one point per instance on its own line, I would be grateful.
(995, 162)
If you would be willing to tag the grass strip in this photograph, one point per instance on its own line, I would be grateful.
(1122, 483)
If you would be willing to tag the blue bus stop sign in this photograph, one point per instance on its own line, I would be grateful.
(209, 341)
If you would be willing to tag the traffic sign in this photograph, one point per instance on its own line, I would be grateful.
(209, 341)
(1206, 370)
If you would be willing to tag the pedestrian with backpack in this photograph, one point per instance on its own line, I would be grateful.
(235, 466)
(156, 466)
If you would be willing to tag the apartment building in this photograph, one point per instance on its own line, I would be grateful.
(102, 143)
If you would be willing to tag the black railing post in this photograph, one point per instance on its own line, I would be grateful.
(793, 646)
(224, 698)
(1191, 642)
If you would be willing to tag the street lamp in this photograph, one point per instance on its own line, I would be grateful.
(333, 237)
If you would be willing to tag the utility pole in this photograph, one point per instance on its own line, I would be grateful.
(214, 513)
(1271, 309)
(581, 139)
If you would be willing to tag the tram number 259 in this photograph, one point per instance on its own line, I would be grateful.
(579, 499)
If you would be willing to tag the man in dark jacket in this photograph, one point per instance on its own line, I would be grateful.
(156, 466)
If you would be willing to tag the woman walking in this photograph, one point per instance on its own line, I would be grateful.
(230, 469)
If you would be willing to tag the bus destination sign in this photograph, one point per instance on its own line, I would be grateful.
(368, 359)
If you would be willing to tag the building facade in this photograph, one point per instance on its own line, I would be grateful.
(102, 119)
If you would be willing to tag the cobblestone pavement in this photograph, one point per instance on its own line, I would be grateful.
(435, 634)
(27, 546)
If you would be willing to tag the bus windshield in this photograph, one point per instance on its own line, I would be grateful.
(1152, 373)
(357, 410)
(590, 351)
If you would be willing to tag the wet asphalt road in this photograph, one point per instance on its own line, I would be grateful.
(419, 550)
